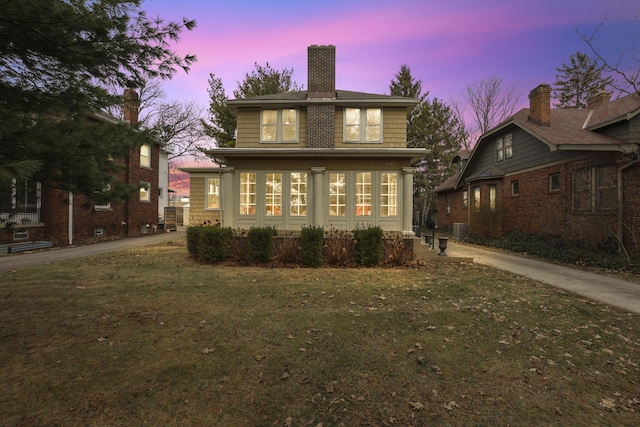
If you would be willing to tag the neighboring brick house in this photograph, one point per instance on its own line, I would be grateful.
(42, 213)
(573, 173)
(319, 157)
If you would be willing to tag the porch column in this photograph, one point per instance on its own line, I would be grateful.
(407, 201)
(317, 218)
(228, 196)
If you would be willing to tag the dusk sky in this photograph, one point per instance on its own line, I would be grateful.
(447, 44)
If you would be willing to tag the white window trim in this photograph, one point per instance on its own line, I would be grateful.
(363, 127)
(279, 125)
(106, 206)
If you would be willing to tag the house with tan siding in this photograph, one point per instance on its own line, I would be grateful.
(319, 157)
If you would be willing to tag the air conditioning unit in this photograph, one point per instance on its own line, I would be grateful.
(460, 230)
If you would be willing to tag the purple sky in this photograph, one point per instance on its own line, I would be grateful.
(448, 44)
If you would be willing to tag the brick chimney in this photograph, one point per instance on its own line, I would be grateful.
(540, 105)
(322, 87)
(600, 98)
(321, 69)
(131, 106)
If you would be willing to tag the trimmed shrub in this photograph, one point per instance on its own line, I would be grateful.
(260, 240)
(368, 246)
(193, 240)
(311, 242)
(215, 243)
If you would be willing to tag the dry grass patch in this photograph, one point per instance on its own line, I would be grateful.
(149, 336)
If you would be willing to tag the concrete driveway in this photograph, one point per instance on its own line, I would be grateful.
(597, 287)
(21, 260)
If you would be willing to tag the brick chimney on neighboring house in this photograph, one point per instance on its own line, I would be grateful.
(540, 105)
(600, 98)
(131, 106)
(322, 87)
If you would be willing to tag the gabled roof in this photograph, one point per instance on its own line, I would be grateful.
(569, 129)
(621, 109)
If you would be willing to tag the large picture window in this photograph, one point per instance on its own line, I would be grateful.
(273, 194)
(388, 194)
(363, 194)
(213, 193)
(279, 125)
(247, 193)
(363, 125)
(298, 195)
(337, 194)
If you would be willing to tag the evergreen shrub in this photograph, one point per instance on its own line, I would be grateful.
(368, 246)
(311, 242)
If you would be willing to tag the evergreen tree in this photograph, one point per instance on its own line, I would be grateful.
(261, 81)
(432, 125)
(56, 60)
(579, 80)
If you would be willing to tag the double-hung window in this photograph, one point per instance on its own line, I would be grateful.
(145, 191)
(363, 125)
(103, 204)
(213, 193)
(279, 125)
(145, 155)
(504, 147)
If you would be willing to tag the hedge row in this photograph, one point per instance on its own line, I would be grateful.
(312, 247)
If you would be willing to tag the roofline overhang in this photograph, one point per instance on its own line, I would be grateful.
(622, 148)
(380, 102)
(222, 154)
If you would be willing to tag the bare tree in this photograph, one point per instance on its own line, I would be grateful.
(491, 103)
(625, 66)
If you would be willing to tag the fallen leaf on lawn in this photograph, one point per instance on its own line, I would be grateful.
(261, 357)
(208, 350)
(285, 376)
(381, 297)
(608, 404)
(101, 339)
(436, 369)
(416, 405)
(451, 406)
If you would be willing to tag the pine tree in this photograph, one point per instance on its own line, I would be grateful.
(261, 81)
(432, 125)
(579, 80)
(56, 60)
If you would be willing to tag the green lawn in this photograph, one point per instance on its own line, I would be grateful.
(148, 336)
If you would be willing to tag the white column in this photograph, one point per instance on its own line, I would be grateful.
(318, 195)
(228, 196)
(407, 201)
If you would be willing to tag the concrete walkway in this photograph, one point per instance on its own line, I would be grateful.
(27, 259)
(608, 290)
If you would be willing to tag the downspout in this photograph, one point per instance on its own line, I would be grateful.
(221, 195)
(620, 227)
(70, 225)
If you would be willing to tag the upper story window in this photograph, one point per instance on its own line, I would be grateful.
(504, 147)
(279, 125)
(145, 155)
(104, 205)
(363, 125)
